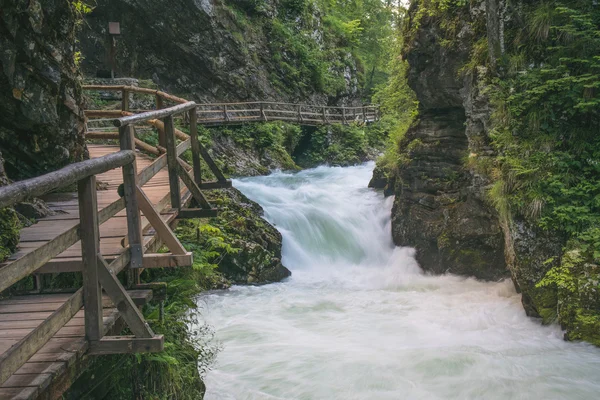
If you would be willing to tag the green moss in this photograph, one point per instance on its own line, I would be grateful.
(586, 327)
(545, 300)
(9, 232)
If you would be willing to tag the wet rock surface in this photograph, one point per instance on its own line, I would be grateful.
(258, 260)
(41, 128)
(440, 206)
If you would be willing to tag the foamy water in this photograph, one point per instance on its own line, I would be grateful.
(359, 320)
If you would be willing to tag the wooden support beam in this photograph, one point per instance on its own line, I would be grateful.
(172, 163)
(158, 164)
(192, 186)
(17, 355)
(195, 147)
(125, 100)
(90, 247)
(188, 213)
(134, 227)
(163, 230)
(127, 345)
(168, 260)
(211, 164)
(127, 308)
(162, 141)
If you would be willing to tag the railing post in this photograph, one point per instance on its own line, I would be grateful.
(324, 117)
(172, 162)
(364, 114)
(161, 133)
(90, 247)
(195, 147)
(299, 113)
(134, 226)
(225, 113)
(125, 100)
(344, 115)
(263, 116)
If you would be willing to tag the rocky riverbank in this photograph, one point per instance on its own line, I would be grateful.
(482, 189)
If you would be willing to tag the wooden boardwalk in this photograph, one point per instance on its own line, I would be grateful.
(119, 217)
(51, 370)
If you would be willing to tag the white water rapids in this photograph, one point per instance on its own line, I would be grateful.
(359, 320)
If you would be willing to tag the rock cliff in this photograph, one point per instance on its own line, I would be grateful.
(42, 124)
(443, 205)
(221, 49)
(440, 206)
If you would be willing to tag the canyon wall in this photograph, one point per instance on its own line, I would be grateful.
(222, 50)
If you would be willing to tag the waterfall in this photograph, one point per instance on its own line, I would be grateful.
(358, 319)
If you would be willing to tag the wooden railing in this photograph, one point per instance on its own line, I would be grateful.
(305, 114)
(257, 111)
(97, 273)
(167, 136)
(95, 270)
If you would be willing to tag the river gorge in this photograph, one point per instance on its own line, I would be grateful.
(358, 319)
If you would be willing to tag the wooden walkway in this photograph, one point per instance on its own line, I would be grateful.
(117, 220)
(51, 370)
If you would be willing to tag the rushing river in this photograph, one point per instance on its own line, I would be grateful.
(359, 320)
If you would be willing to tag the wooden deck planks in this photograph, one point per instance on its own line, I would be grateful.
(54, 358)
(66, 205)
(19, 315)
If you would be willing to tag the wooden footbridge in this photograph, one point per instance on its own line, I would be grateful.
(128, 198)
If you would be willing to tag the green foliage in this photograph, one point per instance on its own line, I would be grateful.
(189, 346)
(340, 144)
(399, 108)
(546, 128)
(314, 44)
(9, 232)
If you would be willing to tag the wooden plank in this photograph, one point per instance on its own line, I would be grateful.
(28, 263)
(13, 359)
(20, 393)
(127, 308)
(28, 316)
(162, 229)
(127, 344)
(45, 367)
(90, 246)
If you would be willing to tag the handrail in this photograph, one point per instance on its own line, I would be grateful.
(156, 114)
(287, 104)
(229, 113)
(34, 187)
